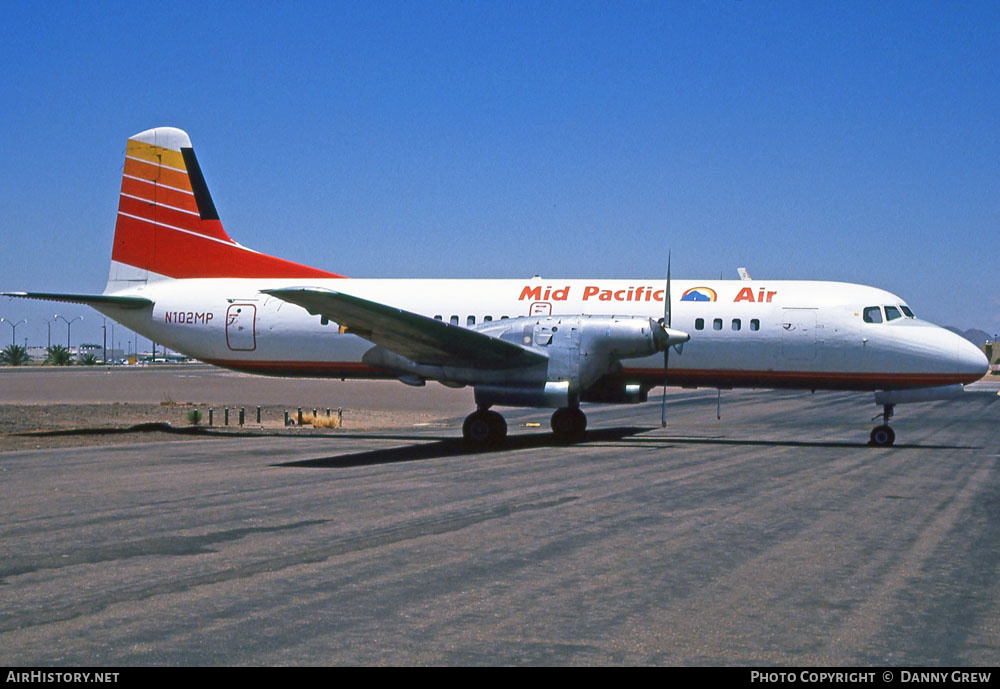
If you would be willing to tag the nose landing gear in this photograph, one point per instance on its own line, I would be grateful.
(883, 436)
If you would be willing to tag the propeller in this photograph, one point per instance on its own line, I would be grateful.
(666, 350)
(668, 338)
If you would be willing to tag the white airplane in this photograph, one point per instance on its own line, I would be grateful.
(179, 279)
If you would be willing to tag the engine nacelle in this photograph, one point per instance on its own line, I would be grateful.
(579, 351)
(615, 391)
(554, 394)
(583, 353)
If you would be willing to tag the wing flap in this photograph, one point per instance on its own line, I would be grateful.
(420, 339)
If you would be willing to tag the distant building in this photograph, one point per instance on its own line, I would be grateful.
(992, 351)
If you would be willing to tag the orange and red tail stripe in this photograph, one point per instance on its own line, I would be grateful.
(167, 223)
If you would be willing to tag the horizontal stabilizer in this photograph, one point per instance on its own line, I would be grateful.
(420, 339)
(95, 300)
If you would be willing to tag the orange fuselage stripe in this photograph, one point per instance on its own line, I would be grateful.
(701, 377)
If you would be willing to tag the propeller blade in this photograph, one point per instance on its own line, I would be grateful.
(666, 298)
(663, 406)
(666, 350)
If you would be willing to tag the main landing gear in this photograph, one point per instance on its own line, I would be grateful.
(484, 427)
(569, 423)
(883, 436)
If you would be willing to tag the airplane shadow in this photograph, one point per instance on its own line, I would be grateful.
(742, 442)
(626, 437)
(453, 447)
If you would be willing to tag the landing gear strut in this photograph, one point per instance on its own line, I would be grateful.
(484, 427)
(883, 436)
(569, 423)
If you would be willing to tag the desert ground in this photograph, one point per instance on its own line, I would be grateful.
(45, 407)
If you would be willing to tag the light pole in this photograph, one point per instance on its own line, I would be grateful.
(48, 326)
(68, 323)
(13, 326)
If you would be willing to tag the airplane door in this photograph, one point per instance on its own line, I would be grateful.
(241, 327)
(798, 336)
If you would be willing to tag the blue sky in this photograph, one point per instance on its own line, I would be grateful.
(838, 141)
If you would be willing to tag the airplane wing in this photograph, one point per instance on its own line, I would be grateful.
(418, 338)
(95, 300)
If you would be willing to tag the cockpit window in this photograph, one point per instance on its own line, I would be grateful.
(873, 314)
(892, 313)
(906, 310)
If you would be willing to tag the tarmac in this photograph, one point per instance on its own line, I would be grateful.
(774, 536)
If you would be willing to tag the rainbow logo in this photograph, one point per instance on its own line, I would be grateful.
(699, 294)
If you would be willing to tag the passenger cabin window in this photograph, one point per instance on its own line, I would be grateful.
(699, 323)
(717, 324)
(454, 320)
(755, 324)
(873, 314)
(737, 325)
(487, 319)
(439, 317)
(471, 320)
(892, 313)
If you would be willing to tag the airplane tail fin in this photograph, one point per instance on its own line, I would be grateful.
(168, 226)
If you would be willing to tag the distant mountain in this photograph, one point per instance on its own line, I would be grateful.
(975, 336)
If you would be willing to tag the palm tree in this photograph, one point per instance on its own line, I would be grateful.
(57, 355)
(88, 360)
(14, 355)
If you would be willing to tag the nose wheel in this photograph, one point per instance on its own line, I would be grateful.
(484, 428)
(883, 436)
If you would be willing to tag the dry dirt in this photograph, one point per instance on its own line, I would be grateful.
(74, 425)
(45, 408)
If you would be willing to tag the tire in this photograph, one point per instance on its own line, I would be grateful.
(484, 428)
(882, 436)
(569, 423)
(498, 428)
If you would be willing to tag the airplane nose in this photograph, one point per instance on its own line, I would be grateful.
(970, 359)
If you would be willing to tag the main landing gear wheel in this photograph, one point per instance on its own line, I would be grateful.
(882, 436)
(484, 427)
(569, 423)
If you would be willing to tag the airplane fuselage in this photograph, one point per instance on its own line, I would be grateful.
(800, 334)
